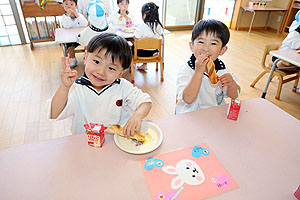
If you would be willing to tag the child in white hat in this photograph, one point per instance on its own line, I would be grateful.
(98, 22)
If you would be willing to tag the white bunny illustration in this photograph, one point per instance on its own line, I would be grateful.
(188, 172)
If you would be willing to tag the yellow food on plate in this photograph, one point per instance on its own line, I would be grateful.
(117, 129)
(131, 29)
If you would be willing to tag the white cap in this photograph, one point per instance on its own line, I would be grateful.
(296, 22)
(96, 14)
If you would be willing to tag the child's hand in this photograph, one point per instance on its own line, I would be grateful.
(68, 76)
(123, 12)
(201, 62)
(132, 126)
(69, 12)
(226, 80)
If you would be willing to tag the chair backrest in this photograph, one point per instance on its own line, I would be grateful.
(147, 43)
(268, 48)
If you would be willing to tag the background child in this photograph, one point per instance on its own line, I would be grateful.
(83, 7)
(149, 28)
(292, 41)
(100, 92)
(121, 16)
(72, 19)
(296, 22)
(98, 23)
(194, 89)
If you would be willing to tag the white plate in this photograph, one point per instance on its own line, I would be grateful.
(129, 146)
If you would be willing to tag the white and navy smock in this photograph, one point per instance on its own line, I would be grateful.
(111, 105)
(209, 94)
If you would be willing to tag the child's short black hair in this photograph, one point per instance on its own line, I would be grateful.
(119, 1)
(75, 1)
(212, 26)
(115, 45)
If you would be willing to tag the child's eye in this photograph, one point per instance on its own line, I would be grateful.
(213, 43)
(96, 62)
(201, 42)
(111, 68)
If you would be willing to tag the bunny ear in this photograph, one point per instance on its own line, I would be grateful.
(176, 183)
(170, 169)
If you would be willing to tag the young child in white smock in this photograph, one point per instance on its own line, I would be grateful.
(100, 95)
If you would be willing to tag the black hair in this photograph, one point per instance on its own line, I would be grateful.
(212, 26)
(298, 29)
(151, 18)
(115, 46)
(75, 1)
(119, 1)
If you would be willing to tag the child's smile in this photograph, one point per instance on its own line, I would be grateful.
(101, 70)
(207, 43)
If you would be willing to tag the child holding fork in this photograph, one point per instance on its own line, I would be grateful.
(100, 95)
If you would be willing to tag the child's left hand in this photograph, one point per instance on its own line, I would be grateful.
(132, 126)
(226, 80)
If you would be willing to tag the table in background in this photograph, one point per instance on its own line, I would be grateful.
(290, 56)
(67, 35)
(254, 10)
(260, 151)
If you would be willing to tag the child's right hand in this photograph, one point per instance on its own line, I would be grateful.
(201, 63)
(68, 76)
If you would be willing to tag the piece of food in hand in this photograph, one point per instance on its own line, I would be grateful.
(121, 16)
(213, 77)
(117, 129)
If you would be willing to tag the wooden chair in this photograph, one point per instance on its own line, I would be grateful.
(266, 65)
(148, 43)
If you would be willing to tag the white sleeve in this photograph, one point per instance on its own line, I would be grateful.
(82, 20)
(66, 21)
(134, 97)
(67, 111)
(139, 31)
(183, 78)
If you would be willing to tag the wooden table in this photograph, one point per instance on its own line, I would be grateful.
(290, 56)
(260, 151)
(68, 35)
(254, 10)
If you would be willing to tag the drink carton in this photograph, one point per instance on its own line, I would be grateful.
(128, 23)
(95, 134)
(233, 109)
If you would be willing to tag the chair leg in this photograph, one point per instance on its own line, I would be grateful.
(296, 84)
(132, 73)
(161, 71)
(157, 66)
(257, 79)
(280, 79)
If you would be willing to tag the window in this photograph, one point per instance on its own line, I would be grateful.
(9, 34)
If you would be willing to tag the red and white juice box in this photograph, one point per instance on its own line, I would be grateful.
(95, 134)
(233, 109)
(128, 23)
(297, 193)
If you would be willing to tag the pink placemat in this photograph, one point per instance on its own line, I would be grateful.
(190, 173)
